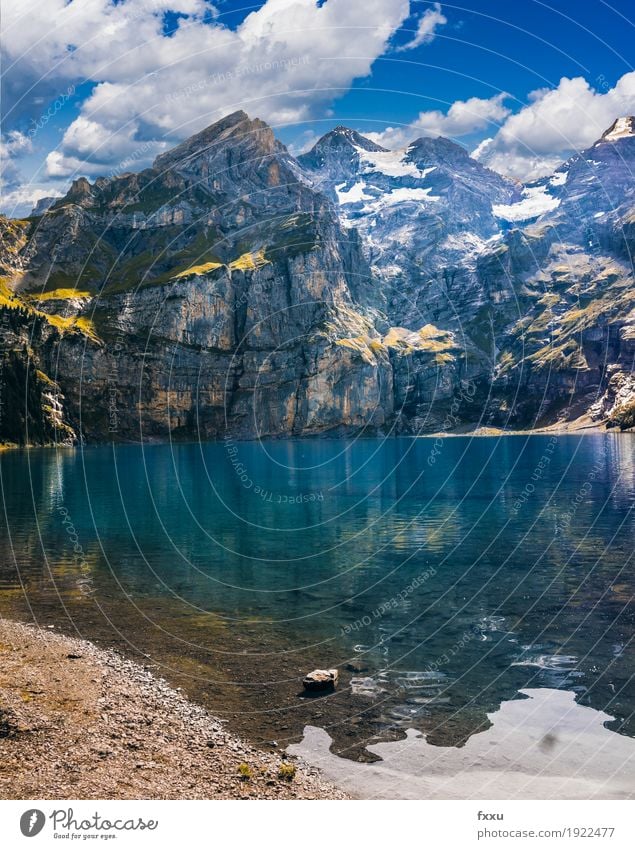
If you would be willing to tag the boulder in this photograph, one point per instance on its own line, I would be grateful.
(321, 679)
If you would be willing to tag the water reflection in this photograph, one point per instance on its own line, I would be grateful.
(446, 576)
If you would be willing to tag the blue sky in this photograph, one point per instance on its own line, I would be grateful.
(96, 87)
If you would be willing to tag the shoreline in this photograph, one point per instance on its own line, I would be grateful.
(475, 431)
(100, 726)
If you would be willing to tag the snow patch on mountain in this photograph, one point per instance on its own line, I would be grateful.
(392, 163)
(622, 128)
(559, 178)
(536, 202)
(353, 195)
(401, 195)
(469, 244)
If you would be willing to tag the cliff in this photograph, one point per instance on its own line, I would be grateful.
(233, 288)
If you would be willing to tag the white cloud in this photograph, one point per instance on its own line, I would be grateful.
(465, 116)
(285, 63)
(532, 142)
(554, 124)
(21, 200)
(12, 145)
(480, 151)
(426, 28)
(88, 150)
(18, 198)
(304, 143)
(462, 118)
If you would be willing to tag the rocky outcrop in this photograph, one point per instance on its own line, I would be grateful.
(233, 288)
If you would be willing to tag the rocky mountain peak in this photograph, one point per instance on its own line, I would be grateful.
(79, 187)
(80, 193)
(339, 148)
(237, 130)
(42, 205)
(346, 137)
(621, 128)
(437, 150)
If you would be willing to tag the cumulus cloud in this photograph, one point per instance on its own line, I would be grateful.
(554, 124)
(14, 142)
(303, 143)
(22, 199)
(285, 63)
(426, 28)
(533, 141)
(462, 118)
(12, 145)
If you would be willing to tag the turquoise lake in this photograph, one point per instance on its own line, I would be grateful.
(440, 576)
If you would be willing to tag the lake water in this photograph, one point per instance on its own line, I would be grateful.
(440, 576)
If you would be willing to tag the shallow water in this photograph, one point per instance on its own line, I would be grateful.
(541, 746)
(448, 573)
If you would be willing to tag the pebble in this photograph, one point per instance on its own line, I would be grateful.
(109, 699)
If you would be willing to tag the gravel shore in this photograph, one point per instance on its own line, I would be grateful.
(81, 722)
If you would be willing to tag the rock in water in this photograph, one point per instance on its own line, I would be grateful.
(321, 679)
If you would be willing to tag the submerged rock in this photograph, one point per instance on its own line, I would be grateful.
(356, 666)
(366, 686)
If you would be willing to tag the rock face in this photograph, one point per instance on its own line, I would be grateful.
(42, 205)
(233, 288)
(425, 214)
(215, 289)
(564, 322)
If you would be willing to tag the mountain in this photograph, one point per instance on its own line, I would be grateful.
(532, 284)
(422, 213)
(233, 288)
(564, 326)
(206, 292)
(42, 205)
